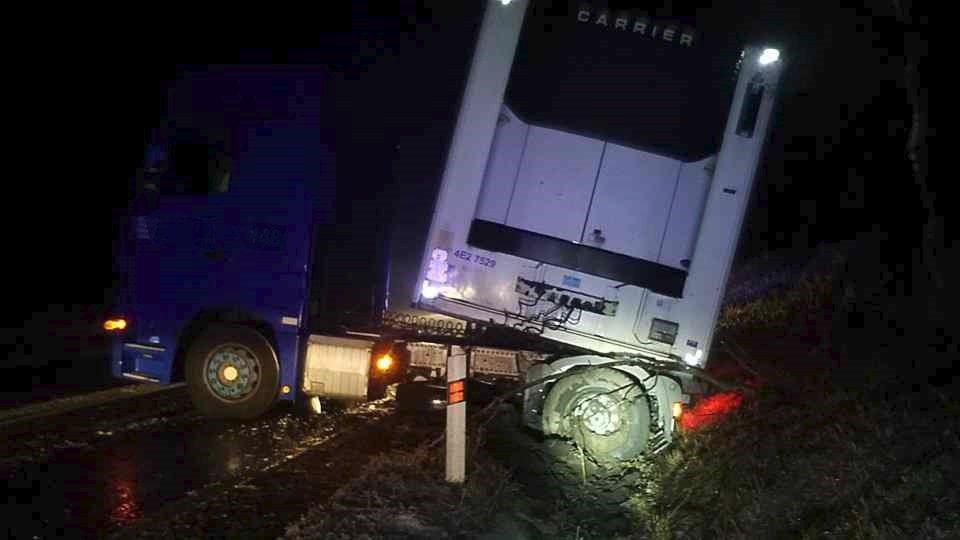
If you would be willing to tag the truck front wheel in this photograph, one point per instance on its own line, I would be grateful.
(232, 372)
(603, 409)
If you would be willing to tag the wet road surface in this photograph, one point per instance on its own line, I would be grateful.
(264, 503)
(94, 472)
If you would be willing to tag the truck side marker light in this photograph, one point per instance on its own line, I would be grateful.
(115, 325)
(384, 362)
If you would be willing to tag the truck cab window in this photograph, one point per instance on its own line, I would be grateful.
(186, 168)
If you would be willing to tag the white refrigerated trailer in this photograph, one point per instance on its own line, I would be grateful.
(609, 246)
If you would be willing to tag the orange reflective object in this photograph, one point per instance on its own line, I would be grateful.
(456, 392)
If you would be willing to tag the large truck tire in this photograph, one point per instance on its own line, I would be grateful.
(603, 409)
(232, 372)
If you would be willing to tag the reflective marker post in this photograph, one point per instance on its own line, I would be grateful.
(456, 415)
(466, 162)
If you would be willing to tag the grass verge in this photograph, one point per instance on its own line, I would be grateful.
(806, 457)
(813, 464)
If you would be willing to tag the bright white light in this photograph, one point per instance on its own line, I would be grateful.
(505, 2)
(429, 291)
(693, 359)
(768, 56)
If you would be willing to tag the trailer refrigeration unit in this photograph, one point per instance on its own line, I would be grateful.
(591, 202)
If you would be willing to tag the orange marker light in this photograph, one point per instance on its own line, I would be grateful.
(114, 325)
(384, 362)
(677, 409)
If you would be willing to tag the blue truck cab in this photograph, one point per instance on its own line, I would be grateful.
(216, 262)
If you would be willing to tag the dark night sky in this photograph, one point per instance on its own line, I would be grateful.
(834, 166)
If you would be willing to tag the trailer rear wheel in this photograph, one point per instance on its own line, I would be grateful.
(232, 372)
(603, 409)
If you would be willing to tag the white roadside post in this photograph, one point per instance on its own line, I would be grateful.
(456, 415)
(465, 165)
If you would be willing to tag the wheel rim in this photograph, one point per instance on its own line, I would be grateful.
(232, 373)
(601, 422)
